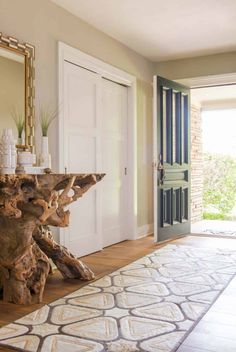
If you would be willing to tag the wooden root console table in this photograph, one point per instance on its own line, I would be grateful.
(28, 205)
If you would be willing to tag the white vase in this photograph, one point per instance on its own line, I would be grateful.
(7, 152)
(45, 157)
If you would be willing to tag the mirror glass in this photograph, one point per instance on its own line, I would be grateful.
(12, 90)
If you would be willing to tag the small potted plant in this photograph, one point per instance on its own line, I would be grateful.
(46, 117)
(19, 120)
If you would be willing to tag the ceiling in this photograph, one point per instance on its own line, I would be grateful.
(215, 97)
(163, 29)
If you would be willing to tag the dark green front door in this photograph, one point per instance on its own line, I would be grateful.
(173, 159)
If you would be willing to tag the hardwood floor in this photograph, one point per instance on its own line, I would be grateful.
(116, 256)
(216, 330)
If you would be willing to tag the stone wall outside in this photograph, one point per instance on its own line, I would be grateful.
(196, 164)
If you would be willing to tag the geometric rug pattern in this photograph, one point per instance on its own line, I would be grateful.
(149, 305)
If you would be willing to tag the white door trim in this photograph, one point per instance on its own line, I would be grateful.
(155, 160)
(77, 57)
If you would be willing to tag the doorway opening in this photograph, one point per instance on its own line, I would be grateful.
(213, 165)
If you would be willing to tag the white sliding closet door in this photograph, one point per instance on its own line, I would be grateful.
(82, 154)
(94, 139)
(114, 162)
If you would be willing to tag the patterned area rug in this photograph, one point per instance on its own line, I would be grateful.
(150, 305)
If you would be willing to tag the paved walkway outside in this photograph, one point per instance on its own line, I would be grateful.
(215, 227)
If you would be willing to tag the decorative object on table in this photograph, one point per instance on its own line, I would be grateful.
(26, 158)
(30, 203)
(150, 305)
(47, 115)
(25, 163)
(47, 170)
(45, 156)
(32, 170)
(19, 120)
(7, 152)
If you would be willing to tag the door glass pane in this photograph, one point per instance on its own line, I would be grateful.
(169, 159)
(164, 126)
(184, 128)
(166, 211)
(178, 127)
(176, 205)
(184, 204)
(174, 127)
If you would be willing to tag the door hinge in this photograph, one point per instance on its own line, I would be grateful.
(125, 170)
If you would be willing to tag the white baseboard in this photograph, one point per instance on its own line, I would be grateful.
(145, 230)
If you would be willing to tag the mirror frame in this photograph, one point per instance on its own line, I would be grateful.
(28, 51)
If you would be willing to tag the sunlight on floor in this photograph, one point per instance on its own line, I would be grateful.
(215, 227)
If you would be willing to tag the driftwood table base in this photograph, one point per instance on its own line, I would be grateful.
(28, 205)
(69, 266)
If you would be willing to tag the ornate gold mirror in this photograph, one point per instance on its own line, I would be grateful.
(17, 89)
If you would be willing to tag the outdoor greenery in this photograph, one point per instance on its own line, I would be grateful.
(219, 196)
(215, 216)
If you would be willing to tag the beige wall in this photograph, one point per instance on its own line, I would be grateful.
(12, 92)
(145, 153)
(43, 24)
(198, 66)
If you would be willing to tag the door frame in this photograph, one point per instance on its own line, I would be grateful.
(155, 161)
(191, 82)
(79, 58)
